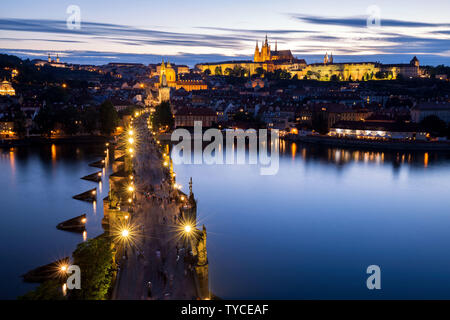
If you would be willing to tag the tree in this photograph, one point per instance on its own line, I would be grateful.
(45, 120)
(89, 119)
(320, 122)
(434, 126)
(48, 290)
(71, 120)
(108, 118)
(260, 71)
(95, 259)
(228, 71)
(163, 116)
(218, 71)
(334, 78)
(19, 123)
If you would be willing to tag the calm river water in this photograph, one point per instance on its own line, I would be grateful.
(308, 232)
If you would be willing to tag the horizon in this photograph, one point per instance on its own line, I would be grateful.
(147, 31)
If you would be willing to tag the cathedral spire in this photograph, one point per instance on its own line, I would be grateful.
(276, 45)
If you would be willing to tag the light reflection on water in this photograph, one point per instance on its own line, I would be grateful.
(38, 185)
(311, 230)
(308, 232)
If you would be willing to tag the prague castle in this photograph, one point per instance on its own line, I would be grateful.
(266, 54)
(264, 59)
(357, 71)
(272, 60)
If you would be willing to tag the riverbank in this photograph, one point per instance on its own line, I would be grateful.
(390, 145)
(31, 141)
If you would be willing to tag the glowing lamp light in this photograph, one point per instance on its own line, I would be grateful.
(131, 140)
(64, 268)
(131, 188)
(187, 228)
(130, 132)
(165, 163)
(130, 200)
(99, 174)
(182, 198)
(130, 150)
(83, 220)
(94, 192)
(125, 233)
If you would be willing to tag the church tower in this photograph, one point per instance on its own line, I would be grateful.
(257, 57)
(164, 90)
(265, 51)
(325, 60)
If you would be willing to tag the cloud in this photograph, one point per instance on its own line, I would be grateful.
(45, 40)
(222, 42)
(259, 32)
(108, 31)
(99, 58)
(361, 21)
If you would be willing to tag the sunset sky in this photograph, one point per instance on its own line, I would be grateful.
(205, 31)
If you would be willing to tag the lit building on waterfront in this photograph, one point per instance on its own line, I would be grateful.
(377, 130)
(426, 109)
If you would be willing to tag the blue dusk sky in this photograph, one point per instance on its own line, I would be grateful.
(195, 31)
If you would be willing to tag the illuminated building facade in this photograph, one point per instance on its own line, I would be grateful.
(168, 72)
(6, 89)
(264, 58)
(186, 117)
(272, 60)
(357, 71)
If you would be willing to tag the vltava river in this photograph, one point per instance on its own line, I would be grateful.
(308, 232)
(37, 188)
(311, 231)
